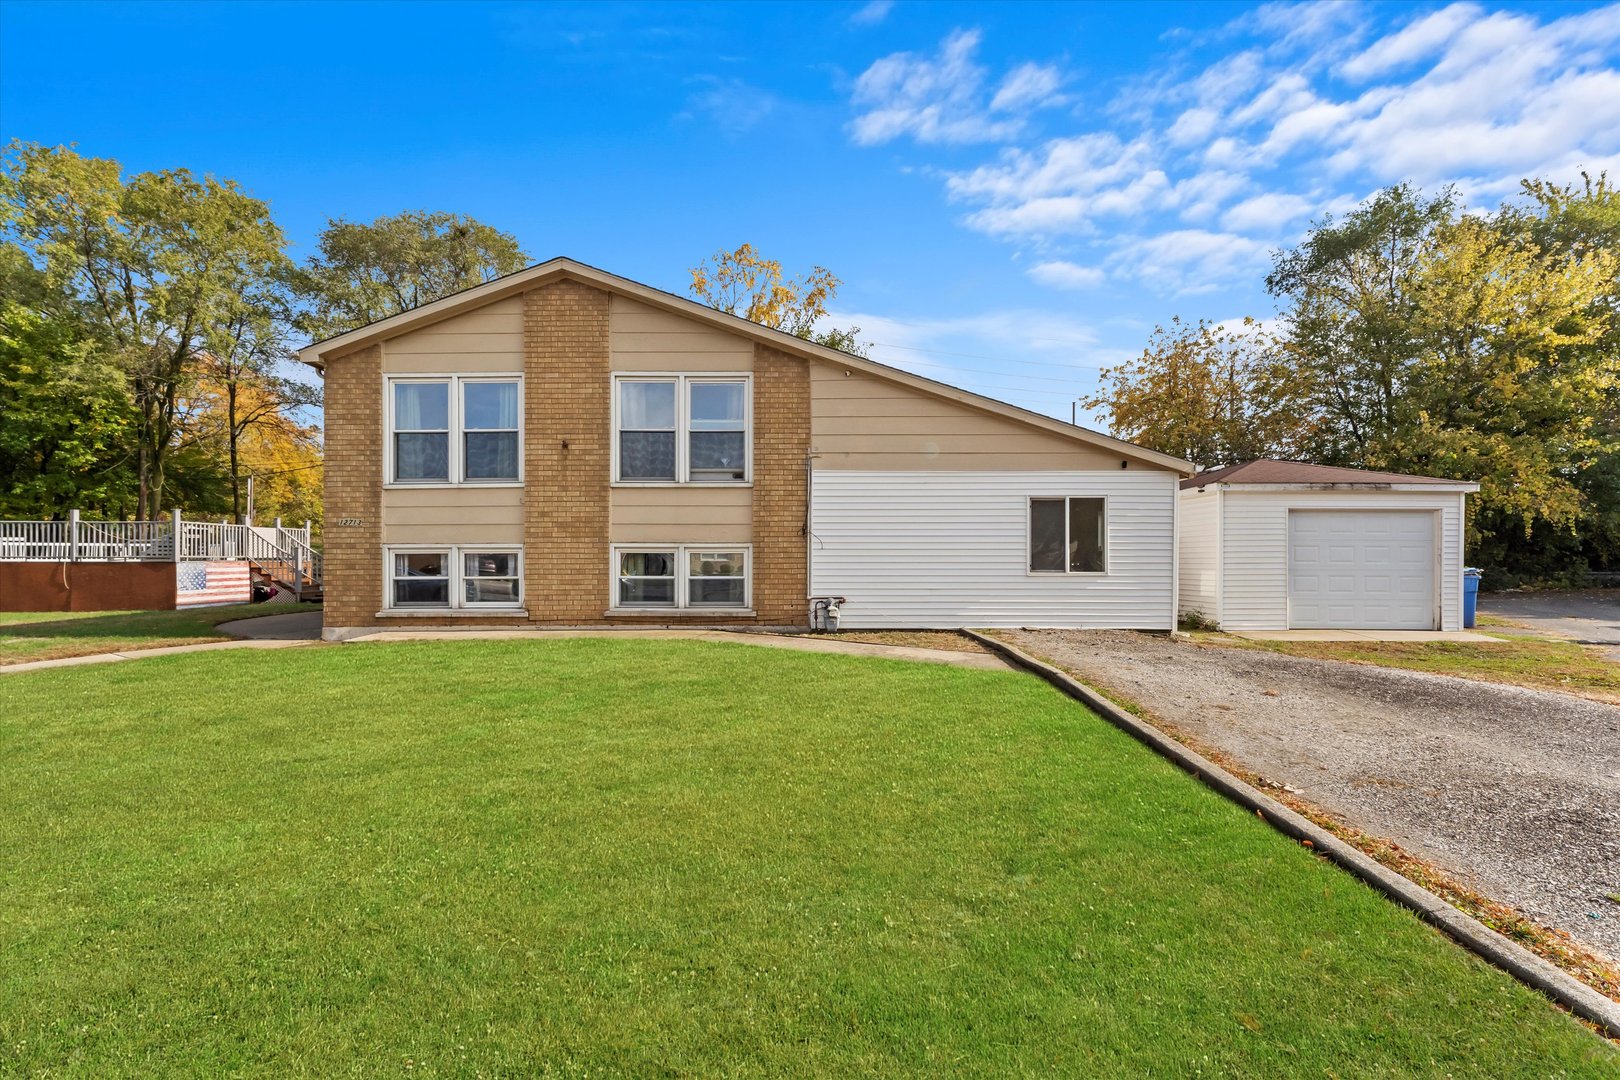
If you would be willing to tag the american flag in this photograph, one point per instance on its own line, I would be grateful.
(201, 583)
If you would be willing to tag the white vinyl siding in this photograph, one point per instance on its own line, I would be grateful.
(1254, 548)
(1200, 553)
(951, 549)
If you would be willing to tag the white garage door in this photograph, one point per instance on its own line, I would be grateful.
(1361, 570)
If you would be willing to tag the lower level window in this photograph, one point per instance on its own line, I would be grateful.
(454, 577)
(1067, 536)
(680, 577)
(422, 579)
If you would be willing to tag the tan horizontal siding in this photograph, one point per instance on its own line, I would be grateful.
(685, 515)
(463, 515)
(642, 338)
(489, 339)
(859, 422)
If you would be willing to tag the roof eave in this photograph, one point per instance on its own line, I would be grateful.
(314, 354)
(1464, 486)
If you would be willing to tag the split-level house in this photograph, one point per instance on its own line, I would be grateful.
(565, 447)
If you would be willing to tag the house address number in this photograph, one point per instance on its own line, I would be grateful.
(351, 521)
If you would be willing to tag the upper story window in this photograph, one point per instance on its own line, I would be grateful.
(1068, 536)
(681, 429)
(454, 429)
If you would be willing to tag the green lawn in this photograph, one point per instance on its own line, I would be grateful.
(48, 635)
(656, 858)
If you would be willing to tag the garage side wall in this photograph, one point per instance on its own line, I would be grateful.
(950, 549)
(1254, 549)
(1200, 553)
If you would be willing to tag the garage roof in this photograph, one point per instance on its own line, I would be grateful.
(1270, 472)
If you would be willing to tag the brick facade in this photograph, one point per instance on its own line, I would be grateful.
(567, 462)
(566, 453)
(352, 556)
(781, 487)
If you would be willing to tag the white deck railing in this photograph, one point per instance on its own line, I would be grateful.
(285, 553)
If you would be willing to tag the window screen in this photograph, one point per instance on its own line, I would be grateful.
(647, 430)
(1046, 536)
(1085, 536)
(421, 431)
(490, 430)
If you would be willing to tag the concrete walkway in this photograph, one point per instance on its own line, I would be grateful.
(304, 627)
(141, 654)
(806, 643)
(293, 626)
(1470, 636)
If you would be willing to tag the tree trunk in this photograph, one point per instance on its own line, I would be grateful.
(233, 435)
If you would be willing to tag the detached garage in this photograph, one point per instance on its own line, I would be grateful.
(1280, 545)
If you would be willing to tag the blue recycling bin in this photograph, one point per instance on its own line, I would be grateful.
(1471, 576)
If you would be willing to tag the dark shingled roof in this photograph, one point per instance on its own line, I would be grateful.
(1269, 471)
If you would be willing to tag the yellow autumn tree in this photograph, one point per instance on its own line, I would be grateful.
(1214, 395)
(743, 282)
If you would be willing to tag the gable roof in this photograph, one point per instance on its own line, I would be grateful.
(1270, 471)
(318, 353)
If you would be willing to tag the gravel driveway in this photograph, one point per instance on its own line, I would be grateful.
(1517, 791)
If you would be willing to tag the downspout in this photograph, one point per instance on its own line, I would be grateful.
(1220, 554)
(809, 522)
(1175, 552)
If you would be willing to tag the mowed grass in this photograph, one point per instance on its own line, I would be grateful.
(1539, 663)
(51, 635)
(661, 858)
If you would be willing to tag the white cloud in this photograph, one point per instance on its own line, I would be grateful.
(1066, 275)
(1189, 260)
(1268, 213)
(1028, 85)
(1420, 39)
(1201, 171)
(872, 13)
(934, 100)
(734, 106)
(1193, 126)
(941, 99)
(1201, 195)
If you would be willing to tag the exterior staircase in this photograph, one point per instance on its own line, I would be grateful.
(285, 557)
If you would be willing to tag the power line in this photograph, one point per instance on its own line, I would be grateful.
(997, 359)
(1003, 374)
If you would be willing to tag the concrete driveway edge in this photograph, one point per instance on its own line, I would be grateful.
(1515, 959)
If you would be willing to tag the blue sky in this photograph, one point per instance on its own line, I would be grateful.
(1013, 194)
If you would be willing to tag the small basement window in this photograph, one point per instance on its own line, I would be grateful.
(1068, 536)
(423, 578)
(680, 577)
(646, 579)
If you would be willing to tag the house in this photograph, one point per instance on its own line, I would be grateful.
(1279, 545)
(566, 447)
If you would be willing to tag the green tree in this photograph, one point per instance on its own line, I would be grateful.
(151, 264)
(1462, 345)
(1352, 320)
(745, 283)
(366, 272)
(1212, 395)
(66, 407)
(247, 350)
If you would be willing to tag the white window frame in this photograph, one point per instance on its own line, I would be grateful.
(1029, 536)
(458, 428)
(683, 415)
(683, 575)
(455, 555)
